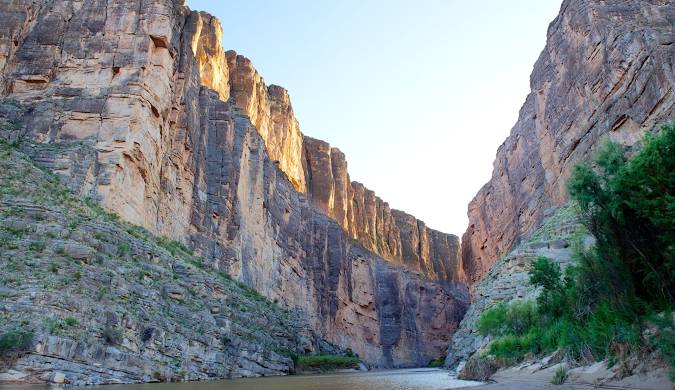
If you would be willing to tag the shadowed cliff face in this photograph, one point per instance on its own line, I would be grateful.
(125, 102)
(606, 71)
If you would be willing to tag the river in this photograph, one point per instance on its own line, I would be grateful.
(402, 379)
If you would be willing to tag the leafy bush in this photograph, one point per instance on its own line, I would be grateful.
(70, 321)
(560, 376)
(326, 362)
(37, 246)
(15, 340)
(629, 207)
(663, 339)
(600, 305)
(174, 247)
(515, 318)
(438, 362)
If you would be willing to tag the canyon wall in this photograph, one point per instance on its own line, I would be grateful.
(606, 72)
(137, 106)
(393, 234)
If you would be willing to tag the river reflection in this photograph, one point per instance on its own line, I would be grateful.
(409, 379)
(405, 379)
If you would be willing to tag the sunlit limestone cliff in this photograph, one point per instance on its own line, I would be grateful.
(137, 106)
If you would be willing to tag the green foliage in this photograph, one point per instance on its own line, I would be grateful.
(326, 362)
(53, 326)
(100, 212)
(510, 347)
(663, 339)
(603, 302)
(70, 321)
(37, 246)
(438, 362)
(123, 249)
(629, 207)
(15, 340)
(546, 274)
(560, 376)
(515, 318)
(174, 247)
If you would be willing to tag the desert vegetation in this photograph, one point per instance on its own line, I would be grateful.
(615, 301)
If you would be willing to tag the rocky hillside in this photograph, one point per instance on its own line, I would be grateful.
(508, 278)
(107, 302)
(138, 107)
(606, 71)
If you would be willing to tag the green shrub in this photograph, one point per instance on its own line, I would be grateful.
(438, 362)
(53, 326)
(628, 207)
(326, 362)
(511, 348)
(560, 376)
(123, 249)
(597, 308)
(37, 246)
(15, 340)
(502, 319)
(492, 321)
(664, 337)
(70, 321)
(174, 247)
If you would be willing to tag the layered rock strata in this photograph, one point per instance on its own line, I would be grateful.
(606, 72)
(115, 104)
(106, 302)
(392, 234)
(320, 171)
(508, 278)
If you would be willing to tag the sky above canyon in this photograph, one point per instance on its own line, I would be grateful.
(418, 94)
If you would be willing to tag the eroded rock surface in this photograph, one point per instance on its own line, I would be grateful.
(508, 278)
(109, 303)
(125, 102)
(392, 234)
(606, 71)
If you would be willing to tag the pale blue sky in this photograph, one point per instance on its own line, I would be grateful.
(418, 94)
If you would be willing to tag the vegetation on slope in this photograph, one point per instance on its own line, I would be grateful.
(72, 271)
(616, 300)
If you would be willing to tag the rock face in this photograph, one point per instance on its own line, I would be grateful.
(269, 109)
(392, 234)
(125, 101)
(606, 71)
(508, 278)
(109, 303)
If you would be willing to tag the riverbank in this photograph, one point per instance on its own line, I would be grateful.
(536, 375)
